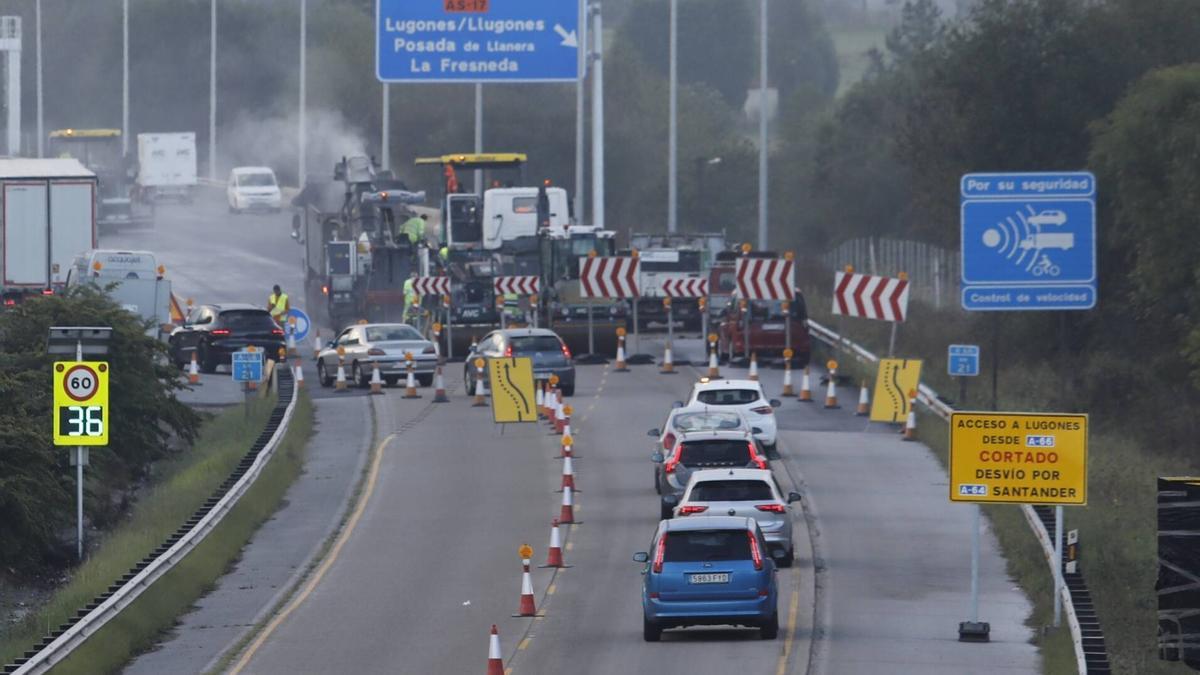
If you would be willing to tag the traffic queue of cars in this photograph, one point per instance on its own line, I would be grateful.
(726, 523)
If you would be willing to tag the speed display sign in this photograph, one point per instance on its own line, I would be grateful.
(81, 403)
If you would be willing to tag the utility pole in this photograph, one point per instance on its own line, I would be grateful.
(212, 93)
(37, 14)
(763, 150)
(385, 136)
(598, 119)
(124, 78)
(302, 171)
(580, 133)
(478, 177)
(673, 124)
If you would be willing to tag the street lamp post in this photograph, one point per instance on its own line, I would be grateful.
(673, 124)
(598, 118)
(302, 171)
(212, 93)
(37, 18)
(124, 79)
(763, 150)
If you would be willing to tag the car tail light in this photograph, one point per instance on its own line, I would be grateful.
(754, 552)
(276, 331)
(660, 552)
(690, 509)
(566, 351)
(221, 332)
(9, 302)
(376, 351)
(668, 442)
(47, 291)
(669, 467)
(771, 508)
(763, 410)
(754, 456)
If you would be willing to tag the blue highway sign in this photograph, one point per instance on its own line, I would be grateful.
(1028, 241)
(247, 366)
(300, 325)
(477, 40)
(963, 360)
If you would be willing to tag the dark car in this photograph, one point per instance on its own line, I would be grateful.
(549, 353)
(214, 332)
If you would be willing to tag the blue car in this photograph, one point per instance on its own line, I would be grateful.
(708, 570)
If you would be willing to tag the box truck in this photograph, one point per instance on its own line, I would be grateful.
(166, 166)
(47, 217)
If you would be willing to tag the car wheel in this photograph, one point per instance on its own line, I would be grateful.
(790, 559)
(357, 376)
(467, 384)
(425, 380)
(207, 363)
(323, 374)
(651, 632)
(770, 628)
(568, 389)
(657, 484)
(772, 451)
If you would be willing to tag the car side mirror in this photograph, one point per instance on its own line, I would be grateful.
(775, 403)
(641, 557)
(654, 432)
(755, 430)
(793, 497)
(670, 500)
(331, 344)
(677, 404)
(657, 458)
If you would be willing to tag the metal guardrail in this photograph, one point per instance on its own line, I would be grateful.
(930, 399)
(57, 646)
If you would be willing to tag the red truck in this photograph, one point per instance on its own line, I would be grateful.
(768, 329)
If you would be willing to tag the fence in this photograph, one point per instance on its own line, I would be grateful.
(933, 272)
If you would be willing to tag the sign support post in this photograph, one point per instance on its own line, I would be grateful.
(1058, 564)
(975, 543)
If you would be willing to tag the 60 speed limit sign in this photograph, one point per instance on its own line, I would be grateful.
(81, 403)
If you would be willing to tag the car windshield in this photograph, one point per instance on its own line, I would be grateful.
(392, 333)
(701, 545)
(706, 421)
(731, 491)
(256, 179)
(727, 396)
(715, 451)
(535, 343)
(247, 320)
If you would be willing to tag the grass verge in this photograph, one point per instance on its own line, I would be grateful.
(190, 482)
(1117, 528)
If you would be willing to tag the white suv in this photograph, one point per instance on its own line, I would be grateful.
(745, 396)
(253, 188)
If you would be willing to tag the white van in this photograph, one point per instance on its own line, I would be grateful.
(140, 287)
(253, 188)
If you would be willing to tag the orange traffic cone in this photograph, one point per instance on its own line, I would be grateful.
(910, 425)
(554, 555)
(864, 401)
(564, 420)
(805, 388)
(753, 367)
(410, 383)
(526, 607)
(621, 367)
(568, 473)
(298, 373)
(567, 447)
(339, 385)
(193, 371)
(668, 364)
(495, 660)
(831, 392)
(291, 342)
(316, 344)
(439, 387)
(567, 517)
(480, 400)
(787, 379)
(376, 380)
(713, 370)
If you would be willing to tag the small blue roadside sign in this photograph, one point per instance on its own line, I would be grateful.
(963, 360)
(477, 40)
(298, 323)
(1028, 241)
(247, 366)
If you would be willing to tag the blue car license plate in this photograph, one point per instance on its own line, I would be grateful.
(712, 578)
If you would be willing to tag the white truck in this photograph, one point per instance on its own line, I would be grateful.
(166, 166)
(137, 283)
(48, 217)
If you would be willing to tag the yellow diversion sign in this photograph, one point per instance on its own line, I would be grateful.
(1019, 458)
(896, 378)
(513, 397)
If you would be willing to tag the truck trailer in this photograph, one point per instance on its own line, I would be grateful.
(48, 217)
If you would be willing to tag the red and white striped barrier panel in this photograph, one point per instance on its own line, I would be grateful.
(432, 285)
(765, 279)
(615, 277)
(870, 297)
(685, 288)
(524, 285)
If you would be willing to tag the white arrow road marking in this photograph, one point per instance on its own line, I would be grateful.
(569, 39)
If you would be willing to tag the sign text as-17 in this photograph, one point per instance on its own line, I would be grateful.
(477, 41)
(247, 366)
(1018, 458)
(1028, 241)
(81, 403)
(963, 360)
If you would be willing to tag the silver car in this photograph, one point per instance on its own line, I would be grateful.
(687, 418)
(384, 344)
(698, 450)
(749, 493)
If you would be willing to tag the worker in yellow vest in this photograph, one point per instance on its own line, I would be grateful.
(412, 301)
(278, 305)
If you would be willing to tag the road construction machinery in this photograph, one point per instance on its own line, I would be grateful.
(100, 151)
(673, 257)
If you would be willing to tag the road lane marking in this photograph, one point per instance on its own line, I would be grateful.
(793, 610)
(334, 553)
(570, 545)
(551, 589)
(524, 644)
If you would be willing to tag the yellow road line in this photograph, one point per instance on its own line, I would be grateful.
(793, 609)
(334, 553)
(551, 589)
(570, 545)
(524, 644)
